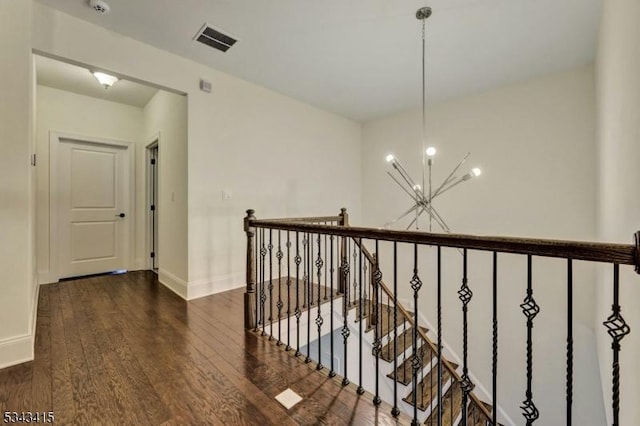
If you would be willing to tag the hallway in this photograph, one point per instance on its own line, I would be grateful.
(123, 349)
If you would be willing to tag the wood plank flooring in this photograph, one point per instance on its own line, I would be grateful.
(123, 349)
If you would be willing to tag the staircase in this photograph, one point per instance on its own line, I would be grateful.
(312, 277)
(399, 351)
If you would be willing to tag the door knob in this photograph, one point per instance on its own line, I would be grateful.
(121, 215)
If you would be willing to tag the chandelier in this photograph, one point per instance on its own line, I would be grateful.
(422, 195)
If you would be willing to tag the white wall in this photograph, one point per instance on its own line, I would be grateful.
(62, 111)
(535, 142)
(17, 185)
(165, 115)
(277, 155)
(618, 78)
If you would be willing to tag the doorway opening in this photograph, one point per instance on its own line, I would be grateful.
(152, 191)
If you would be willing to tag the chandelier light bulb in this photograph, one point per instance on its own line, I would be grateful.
(476, 172)
(431, 151)
(390, 158)
(417, 187)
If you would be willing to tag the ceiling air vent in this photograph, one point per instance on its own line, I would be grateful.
(214, 38)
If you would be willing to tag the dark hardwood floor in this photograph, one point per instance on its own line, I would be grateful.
(123, 349)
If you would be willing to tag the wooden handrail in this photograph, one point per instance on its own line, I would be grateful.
(624, 254)
(310, 219)
(422, 333)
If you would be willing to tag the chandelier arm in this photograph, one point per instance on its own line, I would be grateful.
(402, 216)
(455, 169)
(411, 194)
(443, 224)
(425, 210)
(454, 184)
(446, 182)
(403, 173)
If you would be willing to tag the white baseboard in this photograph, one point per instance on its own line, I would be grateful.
(44, 277)
(173, 283)
(202, 288)
(16, 350)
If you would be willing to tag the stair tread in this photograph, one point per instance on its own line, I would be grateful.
(386, 321)
(385, 312)
(405, 370)
(405, 340)
(427, 389)
(475, 417)
(449, 412)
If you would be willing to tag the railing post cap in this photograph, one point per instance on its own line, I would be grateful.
(249, 217)
(343, 210)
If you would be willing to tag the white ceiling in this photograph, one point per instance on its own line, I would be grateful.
(60, 75)
(362, 58)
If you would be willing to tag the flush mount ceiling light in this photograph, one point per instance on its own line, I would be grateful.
(107, 80)
(423, 195)
(100, 6)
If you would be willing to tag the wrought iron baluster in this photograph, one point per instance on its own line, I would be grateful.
(465, 294)
(366, 283)
(279, 256)
(360, 389)
(270, 287)
(494, 362)
(395, 411)
(617, 328)
(530, 309)
(377, 341)
(431, 368)
(344, 270)
(305, 276)
(288, 348)
(325, 267)
(257, 274)
(404, 341)
(263, 296)
(298, 260)
(332, 372)
(309, 293)
(355, 282)
(388, 309)
(569, 340)
(439, 309)
(319, 319)
(416, 284)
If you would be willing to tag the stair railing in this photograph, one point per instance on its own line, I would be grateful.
(412, 320)
(296, 268)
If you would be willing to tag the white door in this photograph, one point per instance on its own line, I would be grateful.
(93, 207)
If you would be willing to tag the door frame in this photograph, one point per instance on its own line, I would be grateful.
(152, 142)
(55, 138)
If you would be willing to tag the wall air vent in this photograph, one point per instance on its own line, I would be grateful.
(215, 38)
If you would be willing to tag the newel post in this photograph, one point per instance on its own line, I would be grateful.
(344, 256)
(344, 217)
(250, 294)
